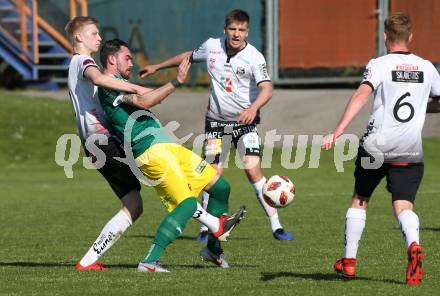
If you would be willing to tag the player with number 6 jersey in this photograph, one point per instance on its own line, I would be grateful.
(392, 146)
(402, 83)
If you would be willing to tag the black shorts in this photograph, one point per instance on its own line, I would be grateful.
(117, 174)
(403, 179)
(220, 134)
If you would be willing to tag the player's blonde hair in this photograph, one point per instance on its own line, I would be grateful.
(75, 24)
(398, 27)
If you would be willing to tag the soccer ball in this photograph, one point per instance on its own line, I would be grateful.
(278, 191)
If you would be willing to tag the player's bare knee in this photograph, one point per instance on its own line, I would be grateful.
(359, 202)
(252, 163)
(254, 175)
(401, 205)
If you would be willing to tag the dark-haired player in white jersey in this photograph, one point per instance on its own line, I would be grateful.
(240, 86)
(392, 146)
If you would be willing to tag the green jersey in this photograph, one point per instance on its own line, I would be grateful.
(146, 129)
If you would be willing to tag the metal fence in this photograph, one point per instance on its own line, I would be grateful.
(304, 41)
(324, 42)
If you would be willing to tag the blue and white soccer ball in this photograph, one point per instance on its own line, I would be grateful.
(278, 191)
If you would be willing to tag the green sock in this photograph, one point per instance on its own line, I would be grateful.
(154, 253)
(214, 245)
(218, 197)
(217, 206)
(171, 227)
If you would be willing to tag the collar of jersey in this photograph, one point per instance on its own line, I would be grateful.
(118, 76)
(400, 52)
(232, 55)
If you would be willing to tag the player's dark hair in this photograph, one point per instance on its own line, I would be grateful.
(236, 15)
(110, 47)
(75, 24)
(398, 27)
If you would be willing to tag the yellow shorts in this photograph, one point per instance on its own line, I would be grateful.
(178, 172)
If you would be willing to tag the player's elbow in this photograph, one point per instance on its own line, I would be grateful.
(144, 102)
(268, 89)
(146, 106)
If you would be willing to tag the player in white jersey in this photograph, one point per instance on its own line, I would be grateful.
(240, 86)
(392, 146)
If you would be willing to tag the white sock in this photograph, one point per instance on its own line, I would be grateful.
(354, 226)
(275, 222)
(206, 218)
(409, 224)
(204, 199)
(272, 213)
(108, 236)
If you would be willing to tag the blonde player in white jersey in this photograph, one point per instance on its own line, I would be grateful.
(83, 77)
(392, 146)
(240, 86)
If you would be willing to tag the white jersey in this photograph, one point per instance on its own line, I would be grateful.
(402, 83)
(234, 79)
(89, 114)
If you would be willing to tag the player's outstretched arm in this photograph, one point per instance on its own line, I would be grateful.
(354, 105)
(99, 79)
(156, 96)
(247, 116)
(433, 105)
(171, 62)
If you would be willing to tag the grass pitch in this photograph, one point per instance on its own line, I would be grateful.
(48, 222)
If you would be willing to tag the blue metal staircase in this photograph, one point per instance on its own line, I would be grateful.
(50, 69)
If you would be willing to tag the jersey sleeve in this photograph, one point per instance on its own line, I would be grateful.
(259, 68)
(201, 53)
(109, 97)
(84, 63)
(372, 75)
(435, 88)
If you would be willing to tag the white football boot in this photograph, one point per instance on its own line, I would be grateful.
(219, 260)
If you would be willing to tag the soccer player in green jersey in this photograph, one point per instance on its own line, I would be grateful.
(177, 174)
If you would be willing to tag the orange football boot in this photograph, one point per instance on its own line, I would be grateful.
(414, 270)
(346, 267)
